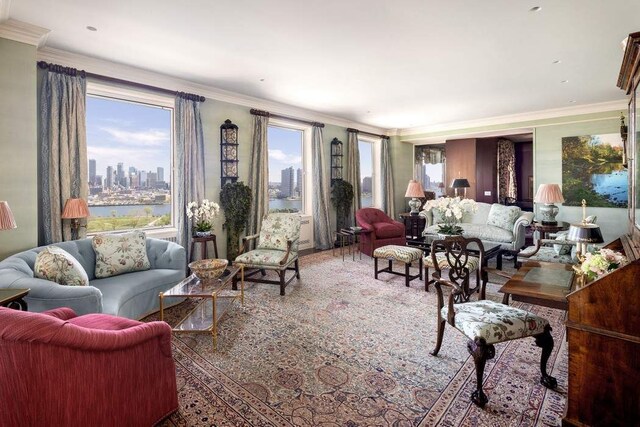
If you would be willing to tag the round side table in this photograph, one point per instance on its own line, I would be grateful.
(545, 230)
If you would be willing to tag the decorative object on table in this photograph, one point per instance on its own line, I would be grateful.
(336, 160)
(441, 189)
(548, 194)
(74, 210)
(593, 169)
(596, 264)
(460, 183)
(201, 216)
(342, 198)
(208, 269)
(235, 199)
(416, 192)
(228, 152)
(584, 233)
(450, 211)
(7, 222)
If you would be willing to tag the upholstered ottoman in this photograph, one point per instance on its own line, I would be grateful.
(404, 254)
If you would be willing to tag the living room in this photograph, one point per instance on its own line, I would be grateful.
(385, 82)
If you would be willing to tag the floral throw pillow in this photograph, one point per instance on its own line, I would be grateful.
(503, 216)
(120, 253)
(57, 265)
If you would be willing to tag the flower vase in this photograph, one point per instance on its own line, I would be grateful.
(202, 233)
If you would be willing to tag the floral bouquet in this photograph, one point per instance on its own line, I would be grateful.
(202, 215)
(600, 262)
(450, 210)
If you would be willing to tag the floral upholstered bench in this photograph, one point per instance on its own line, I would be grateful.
(404, 254)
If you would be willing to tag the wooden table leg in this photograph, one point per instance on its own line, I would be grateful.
(193, 248)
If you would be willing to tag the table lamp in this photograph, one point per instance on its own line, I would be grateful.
(416, 192)
(7, 222)
(548, 194)
(74, 209)
(584, 233)
(460, 183)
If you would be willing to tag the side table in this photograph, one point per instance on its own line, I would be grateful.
(413, 225)
(203, 246)
(13, 298)
(545, 230)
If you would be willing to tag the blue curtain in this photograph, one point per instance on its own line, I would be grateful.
(320, 194)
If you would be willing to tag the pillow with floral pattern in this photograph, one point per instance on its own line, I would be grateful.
(120, 253)
(57, 265)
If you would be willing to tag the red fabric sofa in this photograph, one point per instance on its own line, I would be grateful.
(384, 230)
(57, 369)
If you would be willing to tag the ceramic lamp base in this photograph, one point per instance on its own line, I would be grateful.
(415, 205)
(548, 214)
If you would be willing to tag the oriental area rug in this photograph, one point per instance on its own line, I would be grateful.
(344, 349)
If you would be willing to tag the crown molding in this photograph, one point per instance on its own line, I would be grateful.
(518, 119)
(138, 75)
(4, 9)
(22, 32)
(440, 139)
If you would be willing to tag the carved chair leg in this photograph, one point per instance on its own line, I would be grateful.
(375, 268)
(545, 341)
(263, 271)
(441, 325)
(481, 352)
(281, 272)
(427, 281)
(406, 274)
(297, 269)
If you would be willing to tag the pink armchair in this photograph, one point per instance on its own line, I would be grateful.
(96, 369)
(383, 230)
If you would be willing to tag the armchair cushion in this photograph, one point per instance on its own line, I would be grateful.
(120, 253)
(265, 257)
(386, 230)
(57, 265)
(495, 322)
(277, 229)
(503, 216)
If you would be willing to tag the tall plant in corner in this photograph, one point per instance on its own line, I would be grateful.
(235, 199)
(342, 198)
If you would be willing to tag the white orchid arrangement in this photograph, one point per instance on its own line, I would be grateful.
(451, 210)
(600, 262)
(202, 214)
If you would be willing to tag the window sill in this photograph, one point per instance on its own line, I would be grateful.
(166, 233)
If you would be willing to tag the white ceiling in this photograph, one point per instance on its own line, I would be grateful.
(390, 64)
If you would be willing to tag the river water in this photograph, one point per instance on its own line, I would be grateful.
(613, 186)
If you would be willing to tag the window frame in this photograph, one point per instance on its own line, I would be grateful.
(376, 183)
(307, 161)
(151, 99)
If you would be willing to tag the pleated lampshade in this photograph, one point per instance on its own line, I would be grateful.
(75, 208)
(414, 189)
(7, 221)
(548, 193)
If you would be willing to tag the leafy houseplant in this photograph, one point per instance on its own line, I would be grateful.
(235, 199)
(449, 211)
(341, 198)
(202, 215)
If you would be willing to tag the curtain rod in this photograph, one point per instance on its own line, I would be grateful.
(367, 133)
(256, 112)
(72, 71)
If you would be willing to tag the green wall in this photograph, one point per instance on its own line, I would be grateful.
(547, 147)
(402, 165)
(18, 144)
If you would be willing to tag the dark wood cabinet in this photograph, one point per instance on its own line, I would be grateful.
(414, 225)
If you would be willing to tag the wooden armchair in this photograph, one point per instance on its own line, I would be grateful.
(484, 322)
(275, 248)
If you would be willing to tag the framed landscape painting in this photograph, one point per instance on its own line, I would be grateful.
(592, 170)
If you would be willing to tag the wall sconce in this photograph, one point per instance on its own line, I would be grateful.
(228, 153)
(74, 210)
(336, 160)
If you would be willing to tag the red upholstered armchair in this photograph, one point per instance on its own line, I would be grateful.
(384, 230)
(57, 369)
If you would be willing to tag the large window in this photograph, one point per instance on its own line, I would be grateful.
(286, 169)
(129, 146)
(367, 186)
(430, 168)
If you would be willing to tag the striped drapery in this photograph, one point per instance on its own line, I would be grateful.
(386, 177)
(190, 158)
(352, 163)
(320, 193)
(63, 142)
(259, 173)
(507, 186)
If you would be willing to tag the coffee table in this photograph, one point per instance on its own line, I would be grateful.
(541, 283)
(14, 298)
(216, 297)
(491, 250)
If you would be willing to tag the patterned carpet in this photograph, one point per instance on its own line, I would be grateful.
(344, 349)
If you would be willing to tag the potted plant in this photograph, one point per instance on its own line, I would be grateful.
(450, 211)
(201, 216)
(341, 198)
(235, 199)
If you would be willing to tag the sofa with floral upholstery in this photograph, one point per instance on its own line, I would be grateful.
(119, 274)
(491, 223)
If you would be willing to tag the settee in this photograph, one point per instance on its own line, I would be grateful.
(131, 295)
(491, 223)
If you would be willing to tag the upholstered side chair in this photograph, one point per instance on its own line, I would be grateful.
(381, 230)
(483, 322)
(275, 248)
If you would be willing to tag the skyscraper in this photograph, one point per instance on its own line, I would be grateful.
(152, 179)
(142, 178)
(120, 178)
(287, 182)
(92, 171)
(160, 174)
(109, 177)
(366, 184)
(299, 184)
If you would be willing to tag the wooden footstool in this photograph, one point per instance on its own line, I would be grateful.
(405, 254)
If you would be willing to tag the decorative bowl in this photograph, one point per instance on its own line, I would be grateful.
(208, 269)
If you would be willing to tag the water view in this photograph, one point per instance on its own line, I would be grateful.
(612, 186)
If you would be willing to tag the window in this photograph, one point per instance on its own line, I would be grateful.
(286, 169)
(129, 146)
(430, 168)
(367, 186)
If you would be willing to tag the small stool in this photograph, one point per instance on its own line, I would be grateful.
(203, 246)
(404, 254)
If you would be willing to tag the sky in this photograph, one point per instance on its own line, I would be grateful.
(135, 134)
(366, 163)
(285, 149)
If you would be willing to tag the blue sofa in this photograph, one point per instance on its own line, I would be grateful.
(132, 295)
